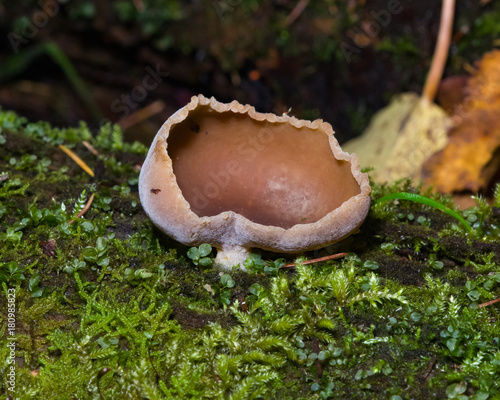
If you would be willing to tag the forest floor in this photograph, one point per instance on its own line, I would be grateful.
(98, 304)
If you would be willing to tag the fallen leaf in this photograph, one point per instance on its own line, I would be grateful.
(471, 158)
(401, 137)
(452, 92)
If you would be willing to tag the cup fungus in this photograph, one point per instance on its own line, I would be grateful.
(227, 175)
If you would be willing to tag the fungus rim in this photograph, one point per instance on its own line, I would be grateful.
(229, 230)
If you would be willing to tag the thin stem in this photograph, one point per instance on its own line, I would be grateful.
(316, 260)
(440, 52)
(489, 303)
(425, 200)
(84, 210)
(78, 160)
(299, 8)
(142, 114)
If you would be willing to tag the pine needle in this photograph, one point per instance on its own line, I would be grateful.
(84, 210)
(77, 159)
(90, 148)
(489, 303)
(316, 260)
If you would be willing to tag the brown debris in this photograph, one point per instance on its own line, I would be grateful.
(48, 247)
(472, 156)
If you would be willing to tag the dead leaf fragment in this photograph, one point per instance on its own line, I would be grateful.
(400, 138)
(472, 157)
(48, 247)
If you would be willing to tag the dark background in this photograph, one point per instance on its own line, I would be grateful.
(70, 60)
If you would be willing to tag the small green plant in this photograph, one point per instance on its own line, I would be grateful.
(472, 293)
(388, 248)
(51, 217)
(227, 283)
(11, 235)
(370, 265)
(199, 255)
(74, 266)
(34, 286)
(425, 200)
(79, 203)
(273, 266)
(29, 162)
(343, 286)
(135, 276)
(11, 273)
(455, 339)
(123, 189)
(97, 254)
(256, 291)
(325, 392)
(25, 162)
(8, 187)
(457, 390)
(494, 278)
(423, 221)
(496, 195)
(434, 263)
(103, 203)
(256, 264)
(476, 215)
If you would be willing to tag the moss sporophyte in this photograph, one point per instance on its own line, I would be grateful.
(107, 307)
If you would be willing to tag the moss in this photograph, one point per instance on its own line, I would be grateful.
(121, 312)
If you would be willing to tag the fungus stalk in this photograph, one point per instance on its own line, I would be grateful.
(228, 256)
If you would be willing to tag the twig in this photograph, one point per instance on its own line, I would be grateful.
(84, 210)
(77, 159)
(139, 5)
(316, 260)
(440, 52)
(90, 148)
(428, 371)
(489, 303)
(299, 8)
(152, 364)
(142, 114)
(315, 344)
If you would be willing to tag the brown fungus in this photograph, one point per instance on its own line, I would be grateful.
(229, 176)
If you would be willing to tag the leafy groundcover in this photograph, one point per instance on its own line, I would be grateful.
(98, 304)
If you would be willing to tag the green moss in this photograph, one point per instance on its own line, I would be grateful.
(120, 311)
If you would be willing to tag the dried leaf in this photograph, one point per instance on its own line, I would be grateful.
(48, 247)
(472, 156)
(400, 138)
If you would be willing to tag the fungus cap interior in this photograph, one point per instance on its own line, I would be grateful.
(272, 173)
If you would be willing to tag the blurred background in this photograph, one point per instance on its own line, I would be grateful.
(135, 62)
